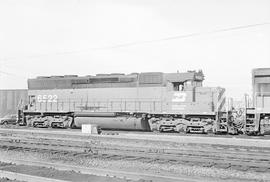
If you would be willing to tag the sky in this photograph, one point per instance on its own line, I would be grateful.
(87, 37)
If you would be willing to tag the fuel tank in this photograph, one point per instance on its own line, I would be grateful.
(113, 121)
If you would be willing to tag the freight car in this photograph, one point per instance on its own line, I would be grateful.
(258, 116)
(139, 101)
(11, 100)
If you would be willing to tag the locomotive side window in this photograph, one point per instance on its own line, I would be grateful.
(178, 86)
(181, 87)
(175, 86)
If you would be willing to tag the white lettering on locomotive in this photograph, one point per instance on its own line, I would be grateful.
(178, 106)
(47, 98)
(179, 97)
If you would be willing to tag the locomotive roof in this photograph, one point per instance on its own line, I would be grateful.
(182, 76)
(261, 76)
(112, 80)
(261, 72)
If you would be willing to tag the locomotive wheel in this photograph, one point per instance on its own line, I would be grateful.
(187, 130)
(72, 125)
(214, 130)
(262, 131)
(204, 132)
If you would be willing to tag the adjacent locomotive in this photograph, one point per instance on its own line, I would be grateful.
(258, 116)
(139, 101)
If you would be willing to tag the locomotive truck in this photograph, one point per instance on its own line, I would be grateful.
(138, 101)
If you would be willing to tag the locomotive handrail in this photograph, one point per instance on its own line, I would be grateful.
(94, 105)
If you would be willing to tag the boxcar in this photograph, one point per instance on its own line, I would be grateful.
(11, 100)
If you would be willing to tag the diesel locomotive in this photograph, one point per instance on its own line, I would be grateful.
(138, 101)
(258, 115)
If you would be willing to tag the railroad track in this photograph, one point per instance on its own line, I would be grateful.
(246, 159)
(202, 148)
(126, 176)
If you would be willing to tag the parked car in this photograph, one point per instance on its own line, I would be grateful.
(9, 119)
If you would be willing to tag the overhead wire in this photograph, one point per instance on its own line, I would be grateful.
(129, 44)
(186, 35)
(6, 73)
